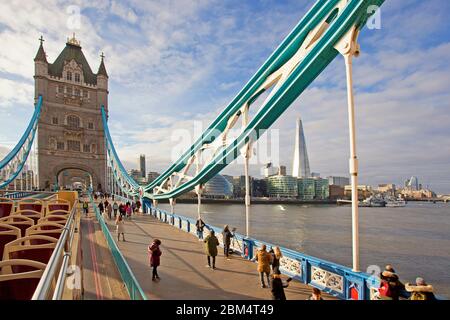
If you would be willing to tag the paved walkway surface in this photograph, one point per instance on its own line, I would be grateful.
(101, 279)
(183, 271)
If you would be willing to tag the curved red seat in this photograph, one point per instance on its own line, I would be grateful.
(6, 209)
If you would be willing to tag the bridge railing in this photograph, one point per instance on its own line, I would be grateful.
(334, 279)
(58, 263)
(134, 289)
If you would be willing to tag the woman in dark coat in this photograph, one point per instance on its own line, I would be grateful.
(154, 257)
(278, 286)
(211, 243)
(227, 235)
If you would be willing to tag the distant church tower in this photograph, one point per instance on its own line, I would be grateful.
(71, 141)
(300, 167)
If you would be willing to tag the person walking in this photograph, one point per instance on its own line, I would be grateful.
(86, 207)
(276, 256)
(263, 259)
(109, 211)
(211, 243)
(101, 207)
(227, 235)
(133, 206)
(154, 253)
(420, 291)
(115, 209)
(278, 286)
(129, 211)
(121, 210)
(138, 206)
(200, 225)
(120, 228)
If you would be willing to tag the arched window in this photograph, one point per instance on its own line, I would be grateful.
(73, 121)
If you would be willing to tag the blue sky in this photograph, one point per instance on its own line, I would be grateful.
(172, 63)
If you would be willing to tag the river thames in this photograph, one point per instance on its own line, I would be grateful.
(414, 239)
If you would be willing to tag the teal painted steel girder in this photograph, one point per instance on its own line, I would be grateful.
(355, 13)
(317, 59)
(25, 142)
(114, 157)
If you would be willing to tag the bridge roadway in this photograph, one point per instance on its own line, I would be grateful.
(101, 279)
(183, 271)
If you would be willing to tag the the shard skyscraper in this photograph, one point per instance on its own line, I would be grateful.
(300, 167)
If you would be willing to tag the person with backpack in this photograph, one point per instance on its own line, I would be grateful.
(86, 207)
(420, 291)
(154, 253)
(390, 285)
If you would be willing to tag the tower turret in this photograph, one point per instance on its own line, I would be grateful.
(102, 83)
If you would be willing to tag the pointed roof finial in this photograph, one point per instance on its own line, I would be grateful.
(74, 41)
(40, 55)
(102, 68)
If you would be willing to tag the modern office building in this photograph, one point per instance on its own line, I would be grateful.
(282, 187)
(259, 188)
(322, 191)
(300, 166)
(239, 186)
(218, 188)
(313, 189)
(142, 165)
(306, 188)
(338, 181)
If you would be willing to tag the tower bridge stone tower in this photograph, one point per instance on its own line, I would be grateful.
(70, 131)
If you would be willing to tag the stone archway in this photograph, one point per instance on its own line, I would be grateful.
(65, 173)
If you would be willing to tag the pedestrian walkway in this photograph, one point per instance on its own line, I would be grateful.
(183, 271)
(101, 279)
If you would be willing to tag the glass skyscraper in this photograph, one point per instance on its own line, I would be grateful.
(282, 187)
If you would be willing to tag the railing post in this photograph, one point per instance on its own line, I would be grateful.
(247, 249)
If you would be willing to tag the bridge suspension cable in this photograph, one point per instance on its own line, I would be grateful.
(291, 68)
(14, 162)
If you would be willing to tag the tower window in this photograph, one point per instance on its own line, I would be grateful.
(69, 76)
(60, 146)
(77, 77)
(91, 125)
(77, 92)
(55, 120)
(73, 121)
(86, 148)
(73, 145)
